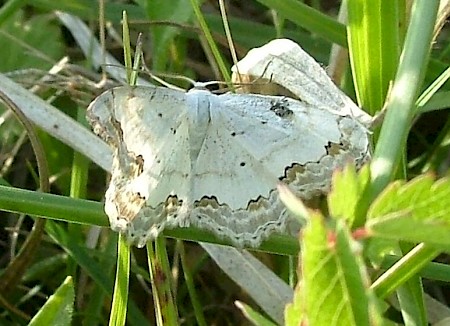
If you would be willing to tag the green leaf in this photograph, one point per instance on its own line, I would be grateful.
(179, 11)
(59, 307)
(347, 189)
(88, 9)
(293, 313)
(418, 211)
(255, 317)
(335, 282)
(29, 41)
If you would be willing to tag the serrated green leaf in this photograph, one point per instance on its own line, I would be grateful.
(347, 188)
(335, 283)
(59, 307)
(418, 211)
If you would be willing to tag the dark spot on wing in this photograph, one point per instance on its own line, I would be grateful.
(140, 164)
(234, 133)
(140, 196)
(334, 149)
(281, 108)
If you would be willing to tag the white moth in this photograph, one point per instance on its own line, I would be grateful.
(214, 161)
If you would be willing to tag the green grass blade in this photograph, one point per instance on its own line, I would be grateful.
(120, 295)
(58, 309)
(193, 294)
(52, 206)
(254, 316)
(127, 47)
(428, 94)
(439, 101)
(162, 284)
(223, 67)
(374, 48)
(411, 299)
(432, 271)
(309, 18)
(91, 213)
(79, 177)
(403, 270)
(401, 104)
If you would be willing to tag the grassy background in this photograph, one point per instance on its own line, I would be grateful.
(33, 39)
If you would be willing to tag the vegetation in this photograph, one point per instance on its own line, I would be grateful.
(377, 251)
